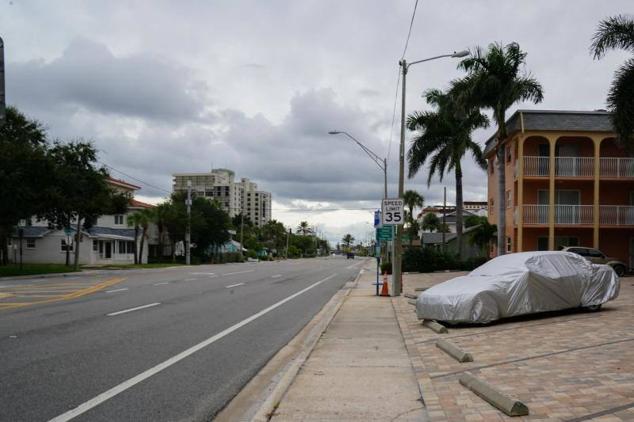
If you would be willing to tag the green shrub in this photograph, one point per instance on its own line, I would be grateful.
(427, 260)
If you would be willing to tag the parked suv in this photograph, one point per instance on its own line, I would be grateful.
(597, 257)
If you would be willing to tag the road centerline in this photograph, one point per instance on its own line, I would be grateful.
(114, 391)
(239, 272)
(117, 290)
(125, 311)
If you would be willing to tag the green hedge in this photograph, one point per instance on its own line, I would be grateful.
(426, 260)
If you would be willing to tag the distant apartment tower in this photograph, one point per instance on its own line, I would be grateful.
(234, 197)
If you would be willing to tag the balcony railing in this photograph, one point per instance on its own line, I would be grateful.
(616, 215)
(609, 215)
(617, 167)
(574, 166)
(536, 166)
(564, 214)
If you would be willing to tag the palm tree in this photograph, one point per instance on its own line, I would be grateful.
(412, 200)
(618, 32)
(347, 240)
(160, 217)
(494, 81)
(431, 222)
(444, 137)
(140, 220)
(304, 228)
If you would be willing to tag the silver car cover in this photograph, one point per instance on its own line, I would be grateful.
(518, 284)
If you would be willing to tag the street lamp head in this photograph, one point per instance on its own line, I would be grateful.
(334, 132)
(459, 54)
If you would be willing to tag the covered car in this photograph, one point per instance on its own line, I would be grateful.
(519, 284)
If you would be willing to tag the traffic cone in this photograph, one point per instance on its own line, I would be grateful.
(384, 289)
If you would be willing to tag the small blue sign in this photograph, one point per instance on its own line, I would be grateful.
(377, 218)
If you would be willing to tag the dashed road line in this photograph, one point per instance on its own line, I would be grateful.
(117, 290)
(276, 276)
(162, 283)
(234, 285)
(125, 311)
(239, 272)
(114, 391)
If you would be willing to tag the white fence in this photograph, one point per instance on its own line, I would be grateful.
(617, 167)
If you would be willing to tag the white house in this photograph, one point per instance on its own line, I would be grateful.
(109, 241)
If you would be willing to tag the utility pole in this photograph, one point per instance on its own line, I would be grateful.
(444, 212)
(2, 92)
(242, 234)
(188, 233)
(288, 236)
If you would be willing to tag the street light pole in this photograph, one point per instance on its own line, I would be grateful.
(189, 224)
(396, 263)
(2, 92)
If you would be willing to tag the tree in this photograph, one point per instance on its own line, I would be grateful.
(443, 138)
(176, 219)
(304, 228)
(161, 213)
(24, 173)
(81, 192)
(412, 199)
(209, 226)
(141, 220)
(431, 222)
(273, 234)
(494, 81)
(482, 234)
(347, 240)
(618, 32)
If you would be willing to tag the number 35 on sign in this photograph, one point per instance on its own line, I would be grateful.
(392, 211)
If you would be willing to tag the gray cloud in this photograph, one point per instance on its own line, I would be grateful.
(87, 75)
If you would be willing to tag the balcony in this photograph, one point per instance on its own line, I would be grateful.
(579, 215)
(617, 168)
(564, 166)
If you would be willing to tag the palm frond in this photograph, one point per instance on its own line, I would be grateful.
(612, 33)
(621, 103)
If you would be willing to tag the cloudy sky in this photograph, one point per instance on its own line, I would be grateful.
(162, 87)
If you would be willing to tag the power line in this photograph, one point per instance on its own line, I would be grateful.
(411, 24)
(135, 178)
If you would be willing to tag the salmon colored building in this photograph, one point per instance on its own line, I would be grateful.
(568, 183)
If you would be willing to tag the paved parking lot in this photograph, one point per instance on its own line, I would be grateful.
(567, 366)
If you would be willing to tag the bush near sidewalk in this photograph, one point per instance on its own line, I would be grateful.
(426, 260)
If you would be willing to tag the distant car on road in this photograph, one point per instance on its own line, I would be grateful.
(597, 257)
(519, 284)
(350, 255)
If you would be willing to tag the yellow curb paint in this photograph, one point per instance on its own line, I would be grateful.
(73, 295)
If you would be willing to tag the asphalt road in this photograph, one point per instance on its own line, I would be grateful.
(163, 345)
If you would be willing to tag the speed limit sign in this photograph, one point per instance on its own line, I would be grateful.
(392, 211)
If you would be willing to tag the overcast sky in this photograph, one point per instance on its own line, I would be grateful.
(162, 87)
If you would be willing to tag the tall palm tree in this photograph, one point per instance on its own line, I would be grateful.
(304, 228)
(412, 200)
(618, 32)
(443, 138)
(495, 82)
(140, 220)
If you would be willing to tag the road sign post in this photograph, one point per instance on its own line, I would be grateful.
(392, 216)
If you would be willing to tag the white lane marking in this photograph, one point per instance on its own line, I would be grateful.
(201, 273)
(276, 276)
(96, 401)
(161, 284)
(116, 290)
(239, 272)
(190, 279)
(125, 311)
(234, 285)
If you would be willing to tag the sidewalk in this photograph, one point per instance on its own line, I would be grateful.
(359, 370)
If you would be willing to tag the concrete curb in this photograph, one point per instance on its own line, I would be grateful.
(434, 326)
(454, 351)
(411, 302)
(504, 403)
(410, 296)
(266, 410)
(421, 289)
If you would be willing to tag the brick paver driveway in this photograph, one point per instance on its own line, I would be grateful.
(567, 366)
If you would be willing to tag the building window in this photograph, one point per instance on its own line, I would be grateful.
(64, 246)
(130, 247)
(509, 199)
(30, 243)
(509, 245)
(118, 219)
(508, 154)
(95, 246)
(122, 247)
